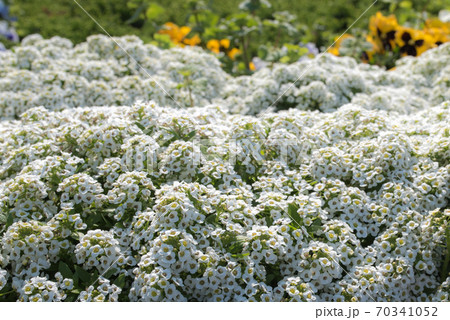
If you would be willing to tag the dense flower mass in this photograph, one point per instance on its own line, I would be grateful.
(116, 72)
(354, 209)
(58, 75)
(153, 202)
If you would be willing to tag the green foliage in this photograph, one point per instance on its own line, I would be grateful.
(413, 12)
(64, 18)
(324, 18)
(274, 31)
(289, 53)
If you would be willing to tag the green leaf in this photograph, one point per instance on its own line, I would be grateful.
(77, 235)
(140, 126)
(75, 280)
(83, 275)
(405, 4)
(54, 179)
(93, 219)
(71, 140)
(76, 291)
(6, 293)
(120, 281)
(191, 134)
(163, 41)
(269, 278)
(109, 273)
(212, 219)
(285, 59)
(136, 14)
(71, 299)
(315, 226)
(94, 276)
(9, 220)
(293, 214)
(240, 255)
(236, 246)
(269, 220)
(154, 11)
(64, 269)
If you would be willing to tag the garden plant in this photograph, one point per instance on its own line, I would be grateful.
(206, 163)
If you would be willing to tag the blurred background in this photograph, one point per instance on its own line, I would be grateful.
(244, 34)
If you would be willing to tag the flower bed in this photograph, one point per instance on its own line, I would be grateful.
(152, 202)
(55, 74)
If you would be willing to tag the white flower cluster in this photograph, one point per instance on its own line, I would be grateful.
(56, 74)
(3, 278)
(115, 72)
(40, 289)
(29, 247)
(99, 249)
(81, 190)
(157, 203)
(131, 191)
(328, 82)
(199, 204)
(104, 291)
(443, 292)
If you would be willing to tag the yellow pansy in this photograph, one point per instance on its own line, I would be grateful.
(413, 42)
(383, 30)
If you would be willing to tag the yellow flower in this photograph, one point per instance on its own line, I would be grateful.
(437, 24)
(370, 38)
(413, 42)
(334, 50)
(184, 31)
(213, 45)
(225, 43)
(172, 30)
(178, 34)
(439, 36)
(380, 24)
(251, 65)
(439, 30)
(383, 30)
(233, 52)
(195, 40)
(386, 34)
(222, 45)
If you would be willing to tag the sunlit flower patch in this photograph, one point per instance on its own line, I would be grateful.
(57, 75)
(354, 209)
(155, 201)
